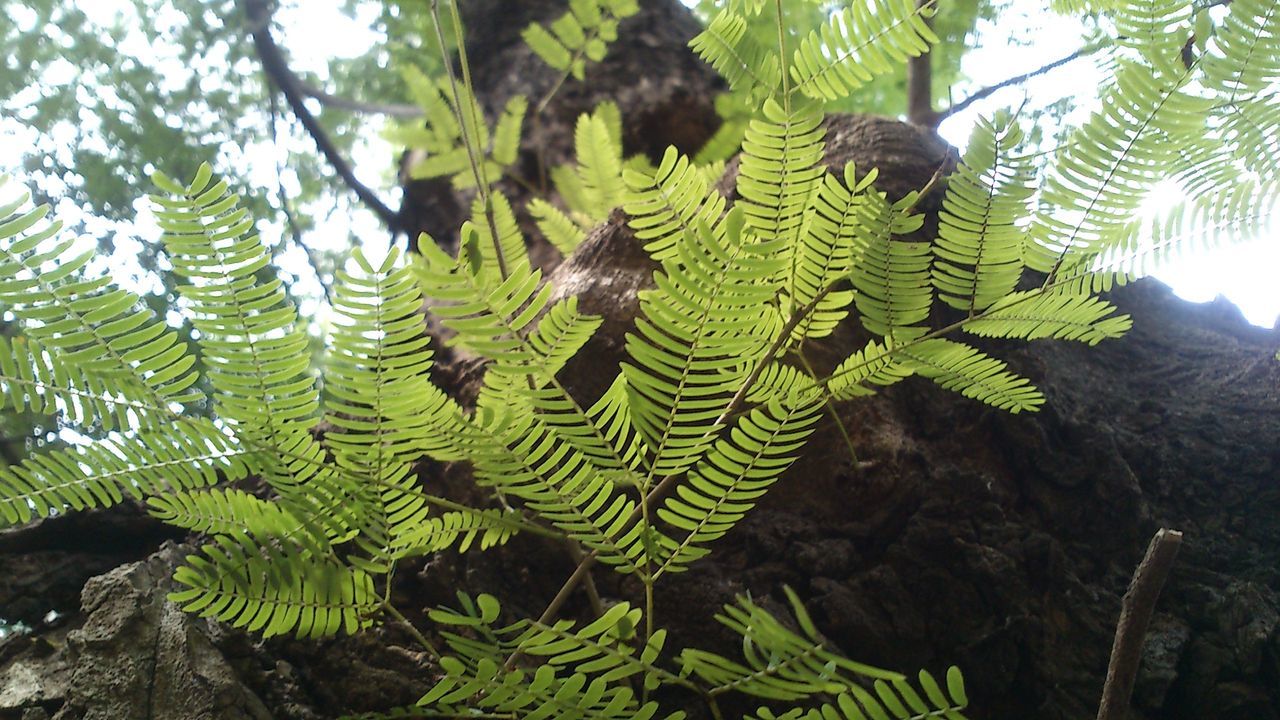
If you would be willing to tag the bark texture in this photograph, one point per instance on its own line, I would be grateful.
(959, 534)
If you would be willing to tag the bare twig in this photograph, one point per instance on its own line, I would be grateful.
(1015, 80)
(1135, 615)
(258, 13)
(295, 231)
(407, 112)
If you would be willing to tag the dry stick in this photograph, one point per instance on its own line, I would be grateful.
(259, 14)
(1135, 615)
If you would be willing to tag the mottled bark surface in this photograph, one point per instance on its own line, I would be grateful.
(959, 534)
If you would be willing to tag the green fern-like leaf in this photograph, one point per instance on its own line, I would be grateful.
(186, 455)
(581, 35)
(872, 365)
(461, 529)
(778, 663)
(1051, 315)
(891, 276)
(1090, 199)
(889, 700)
(275, 589)
(665, 206)
(578, 678)
(740, 468)
(751, 69)
(966, 370)
(858, 43)
(558, 228)
(779, 170)
(825, 252)
(95, 349)
(442, 138)
(702, 321)
(979, 246)
(255, 351)
(591, 188)
(1241, 66)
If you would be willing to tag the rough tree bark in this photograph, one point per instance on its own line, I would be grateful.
(960, 535)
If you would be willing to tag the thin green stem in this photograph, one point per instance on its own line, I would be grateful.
(830, 403)
(469, 142)
(413, 631)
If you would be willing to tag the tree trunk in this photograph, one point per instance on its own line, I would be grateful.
(959, 534)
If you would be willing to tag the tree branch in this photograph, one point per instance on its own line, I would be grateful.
(366, 108)
(1016, 80)
(920, 86)
(1135, 615)
(258, 13)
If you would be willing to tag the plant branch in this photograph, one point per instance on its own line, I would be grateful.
(1016, 80)
(661, 489)
(1135, 615)
(407, 112)
(273, 61)
(920, 83)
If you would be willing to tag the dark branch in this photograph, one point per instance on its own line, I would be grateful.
(1135, 615)
(366, 108)
(1017, 80)
(258, 13)
(920, 86)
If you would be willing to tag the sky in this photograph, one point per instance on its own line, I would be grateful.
(1245, 272)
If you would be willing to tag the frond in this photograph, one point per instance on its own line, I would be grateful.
(1155, 29)
(824, 253)
(1034, 315)
(558, 228)
(740, 468)
(519, 455)
(87, 334)
(665, 207)
(33, 378)
(480, 247)
(1090, 200)
(223, 511)
(778, 663)
(498, 323)
(577, 679)
(592, 187)
(966, 370)
(506, 132)
(377, 366)
(255, 350)
(891, 276)
(583, 34)
(750, 68)
(979, 246)
(599, 162)
(275, 589)
(779, 170)
(873, 365)
(603, 648)
(188, 454)
(708, 315)
(1241, 67)
(891, 700)
(612, 414)
(460, 528)
(440, 138)
(1201, 224)
(864, 40)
